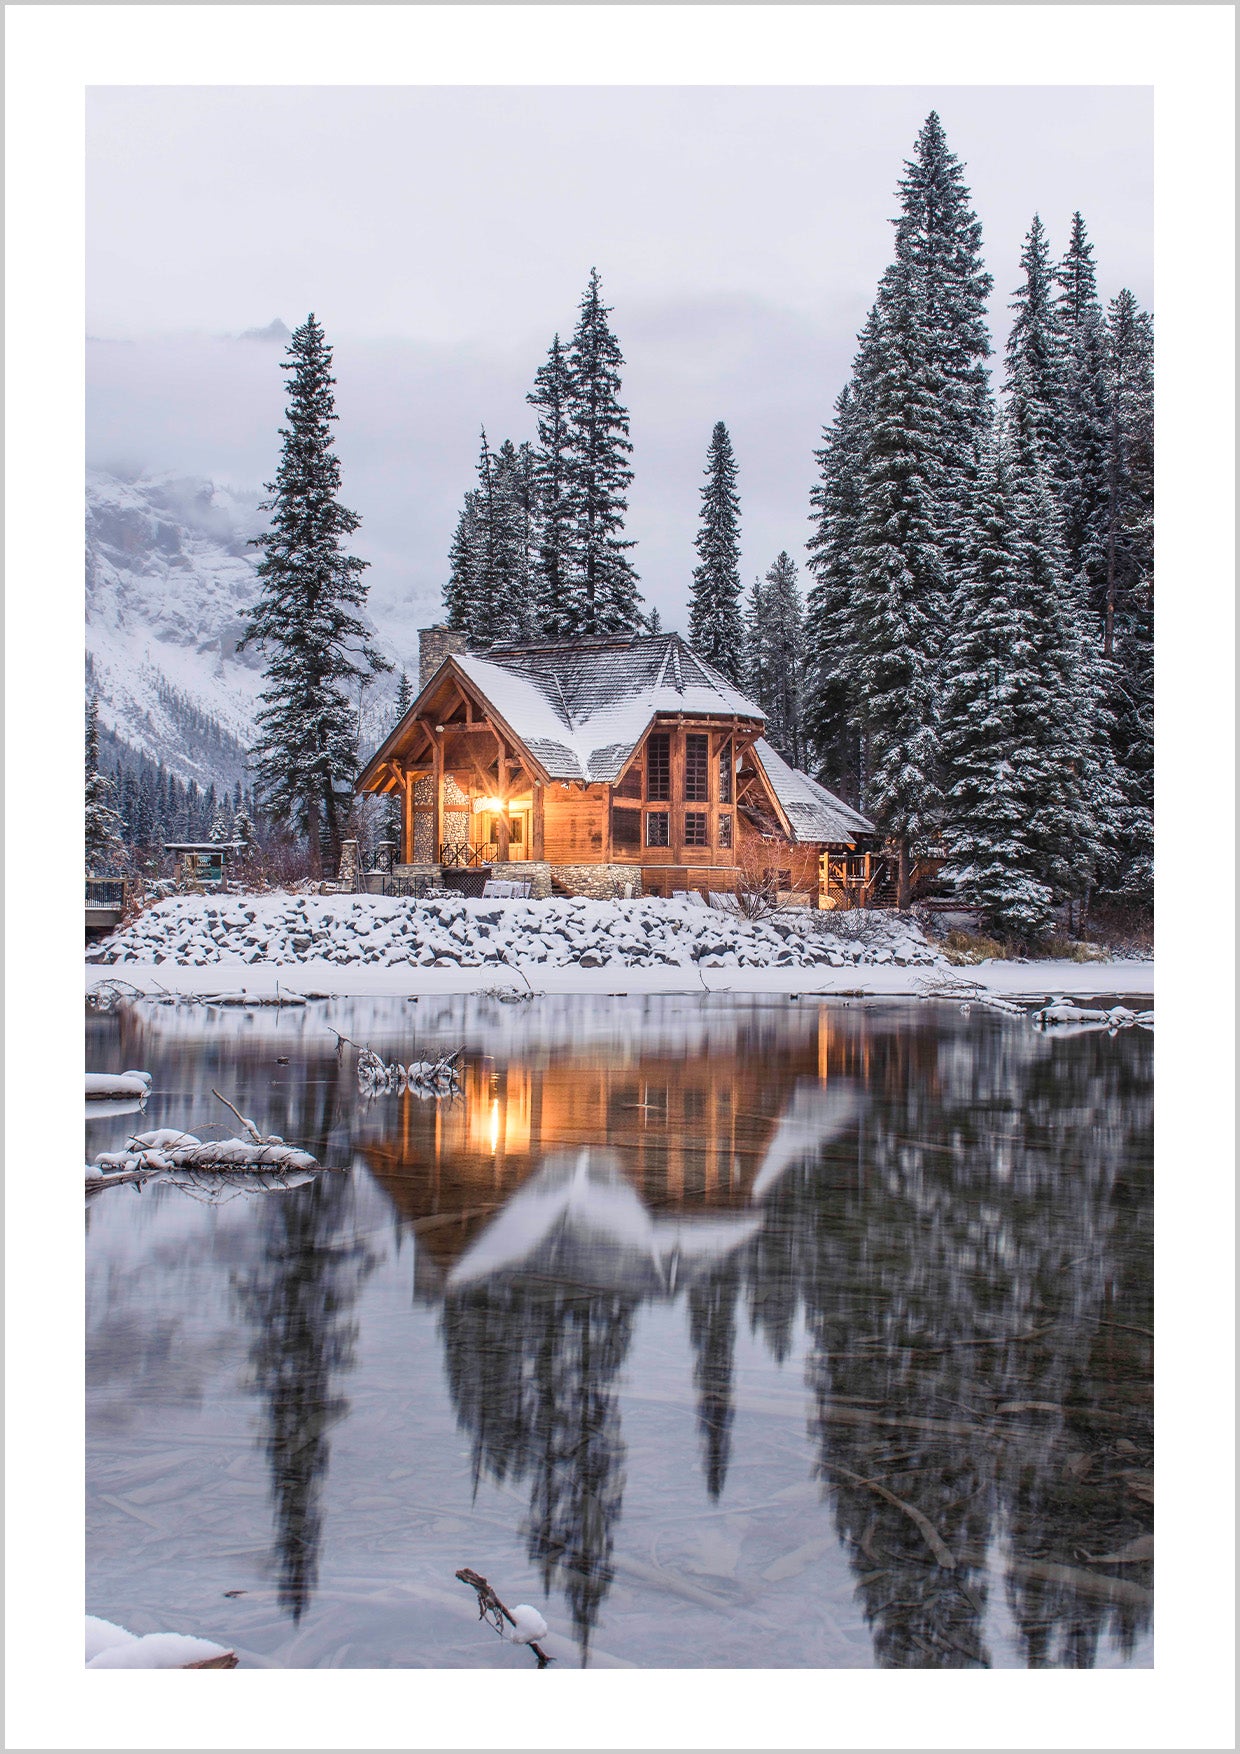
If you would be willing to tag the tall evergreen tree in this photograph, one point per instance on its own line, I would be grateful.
(830, 704)
(603, 595)
(897, 472)
(939, 243)
(1035, 367)
(777, 656)
(899, 574)
(105, 845)
(392, 821)
(464, 608)
(715, 628)
(307, 619)
(1128, 575)
(993, 705)
(1081, 461)
(553, 482)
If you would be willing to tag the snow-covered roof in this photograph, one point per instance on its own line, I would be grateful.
(814, 813)
(582, 706)
(580, 1219)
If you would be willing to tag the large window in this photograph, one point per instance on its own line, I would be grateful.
(658, 770)
(656, 828)
(626, 828)
(725, 774)
(697, 762)
(695, 828)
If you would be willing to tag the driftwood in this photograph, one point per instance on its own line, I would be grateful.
(925, 1528)
(491, 1608)
(226, 1660)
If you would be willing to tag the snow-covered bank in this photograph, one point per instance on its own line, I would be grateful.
(1033, 980)
(257, 948)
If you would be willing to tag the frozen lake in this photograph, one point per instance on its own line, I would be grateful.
(727, 1332)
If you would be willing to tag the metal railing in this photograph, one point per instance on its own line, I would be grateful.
(105, 892)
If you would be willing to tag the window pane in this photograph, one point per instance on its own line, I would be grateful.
(626, 827)
(725, 831)
(697, 756)
(725, 775)
(658, 769)
(656, 828)
(695, 828)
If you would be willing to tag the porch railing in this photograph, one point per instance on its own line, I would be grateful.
(105, 892)
(463, 854)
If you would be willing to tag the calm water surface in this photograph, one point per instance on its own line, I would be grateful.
(727, 1332)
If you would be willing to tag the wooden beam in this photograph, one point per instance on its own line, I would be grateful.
(538, 823)
(437, 812)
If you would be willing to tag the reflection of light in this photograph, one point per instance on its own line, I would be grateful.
(495, 1126)
(481, 805)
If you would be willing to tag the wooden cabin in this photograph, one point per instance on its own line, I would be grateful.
(604, 767)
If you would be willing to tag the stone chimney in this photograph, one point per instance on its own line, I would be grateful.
(434, 645)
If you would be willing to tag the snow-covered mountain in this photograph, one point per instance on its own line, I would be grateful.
(169, 577)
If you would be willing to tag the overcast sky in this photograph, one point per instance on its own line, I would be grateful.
(443, 234)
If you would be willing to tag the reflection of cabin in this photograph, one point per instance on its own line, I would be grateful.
(690, 1135)
(605, 767)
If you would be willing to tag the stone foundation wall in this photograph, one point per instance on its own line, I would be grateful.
(598, 882)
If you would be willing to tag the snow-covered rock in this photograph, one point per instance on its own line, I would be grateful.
(103, 1635)
(285, 930)
(119, 1086)
(158, 1650)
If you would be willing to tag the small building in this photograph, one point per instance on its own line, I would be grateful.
(204, 861)
(604, 767)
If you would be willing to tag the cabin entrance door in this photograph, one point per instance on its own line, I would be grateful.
(519, 820)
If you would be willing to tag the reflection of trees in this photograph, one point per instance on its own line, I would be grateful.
(712, 1333)
(989, 1207)
(298, 1300)
(532, 1369)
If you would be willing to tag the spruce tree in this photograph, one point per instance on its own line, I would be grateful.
(602, 595)
(105, 847)
(830, 710)
(553, 485)
(464, 606)
(899, 574)
(392, 822)
(991, 710)
(1035, 368)
(715, 628)
(757, 678)
(1081, 460)
(897, 474)
(1128, 574)
(307, 619)
(776, 641)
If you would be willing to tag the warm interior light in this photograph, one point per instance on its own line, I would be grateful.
(482, 805)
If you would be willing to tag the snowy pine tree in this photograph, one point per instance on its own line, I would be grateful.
(553, 486)
(776, 651)
(602, 593)
(307, 619)
(1035, 368)
(105, 847)
(391, 827)
(830, 693)
(897, 475)
(1081, 461)
(464, 607)
(1128, 581)
(243, 827)
(219, 830)
(715, 627)
(899, 573)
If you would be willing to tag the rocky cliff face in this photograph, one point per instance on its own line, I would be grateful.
(169, 577)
